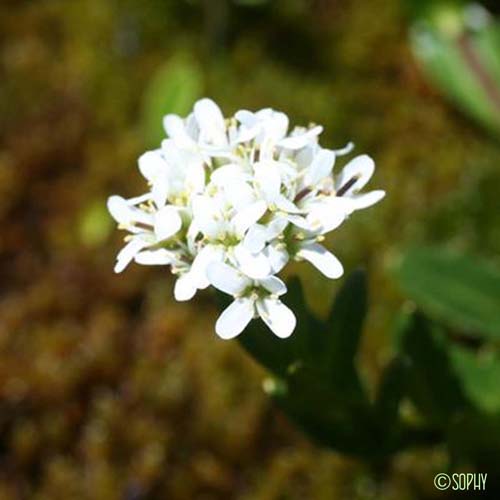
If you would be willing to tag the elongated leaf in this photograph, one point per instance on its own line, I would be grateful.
(461, 291)
(479, 376)
(433, 385)
(345, 320)
(328, 415)
(458, 49)
(391, 390)
(173, 89)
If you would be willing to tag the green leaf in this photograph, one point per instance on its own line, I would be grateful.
(460, 291)
(433, 385)
(443, 12)
(95, 224)
(462, 63)
(346, 321)
(328, 415)
(487, 43)
(173, 89)
(479, 375)
(391, 390)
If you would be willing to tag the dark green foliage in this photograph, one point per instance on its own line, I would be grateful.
(432, 384)
(453, 394)
(317, 384)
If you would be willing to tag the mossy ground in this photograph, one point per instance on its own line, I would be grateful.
(109, 389)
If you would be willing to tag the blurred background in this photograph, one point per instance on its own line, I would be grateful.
(108, 388)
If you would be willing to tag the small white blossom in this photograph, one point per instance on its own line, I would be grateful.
(231, 201)
(252, 298)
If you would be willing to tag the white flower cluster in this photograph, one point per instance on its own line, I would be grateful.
(231, 201)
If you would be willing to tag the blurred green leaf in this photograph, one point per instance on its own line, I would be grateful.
(432, 9)
(433, 385)
(461, 291)
(173, 89)
(328, 414)
(391, 390)
(458, 49)
(479, 376)
(487, 43)
(345, 323)
(95, 224)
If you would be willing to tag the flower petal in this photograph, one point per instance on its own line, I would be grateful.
(274, 285)
(175, 128)
(256, 238)
(360, 169)
(119, 209)
(123, 213)
(277, 256)
(137, 200)
(211, 121)
(151, 165)
(366, 200)
(227, 174)
(320, 167)
(167, 222)
(246, 117)
(255, 266)
(195, 177)
(226, 278)
(248, 216)
(185, 288)
(274, 125)
(322, 259)
(207, 255)
(285, 205)
(235, 318)
(345, 150)
(278, 317)
(159, 189)
(298, 141)
(207, 215)
(128, 252)
(239, 193)
(300, 222)
(159, 257)
(275, 227)
(267, 180)
(327, 215)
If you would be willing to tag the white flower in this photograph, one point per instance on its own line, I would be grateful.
(148, 228)
(232, 200)
(252, 298)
